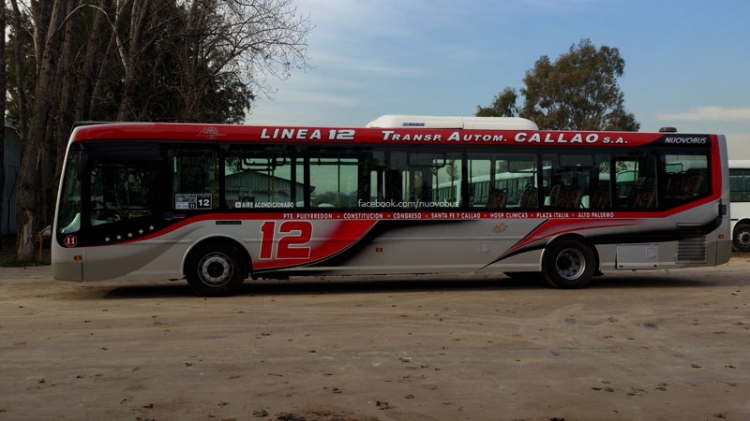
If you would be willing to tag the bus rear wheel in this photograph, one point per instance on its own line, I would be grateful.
(741, 238)
(568, 264)
(215, 269)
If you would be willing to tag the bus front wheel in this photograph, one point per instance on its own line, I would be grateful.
(215, 269)
(741, 238)
(568, 264)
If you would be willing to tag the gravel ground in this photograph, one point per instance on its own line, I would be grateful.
(634, 345)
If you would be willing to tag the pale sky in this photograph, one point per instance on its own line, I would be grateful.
(687, 62)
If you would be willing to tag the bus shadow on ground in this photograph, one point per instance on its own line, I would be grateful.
(390, 284)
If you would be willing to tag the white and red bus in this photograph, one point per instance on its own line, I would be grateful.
(217, 204)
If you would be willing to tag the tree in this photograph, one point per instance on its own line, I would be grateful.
(206, 57)
(579, 91)
(125, 60)
(3, 89)
(504, 105)
(20, 70)
(36, 147)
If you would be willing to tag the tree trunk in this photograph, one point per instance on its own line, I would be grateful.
(17, 53)
(3, 91)
(27, 200)
(93, 63)
(67, 78)
(129, 54)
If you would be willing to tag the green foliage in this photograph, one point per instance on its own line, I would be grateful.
(193, 61)
(162, 92)
(504, 105)
(27, 65)
(578, 91)
(136, 60)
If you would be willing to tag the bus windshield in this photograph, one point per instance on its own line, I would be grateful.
(69, 206)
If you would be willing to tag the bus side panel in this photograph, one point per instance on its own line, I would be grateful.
(149, 259)
(433, 246)
(344, 244)
(400, 247)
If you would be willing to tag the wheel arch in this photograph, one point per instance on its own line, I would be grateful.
(581, 239)
(740, 222)
(738, 244)
(219, 239)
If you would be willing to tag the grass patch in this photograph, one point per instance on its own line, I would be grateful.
(8, 255)
(13, 263)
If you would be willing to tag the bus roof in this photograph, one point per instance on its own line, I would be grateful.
(739, 163)
(433, 122)
(417, 135)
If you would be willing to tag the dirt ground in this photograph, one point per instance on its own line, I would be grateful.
(633, 346)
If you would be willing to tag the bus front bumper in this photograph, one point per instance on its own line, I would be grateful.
(68, 271)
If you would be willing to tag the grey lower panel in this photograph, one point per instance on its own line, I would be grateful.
(637, 256)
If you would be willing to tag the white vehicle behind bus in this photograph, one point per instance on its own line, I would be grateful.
(739, 186)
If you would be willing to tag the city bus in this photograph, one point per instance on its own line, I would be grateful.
(216, 205)
(739, 196)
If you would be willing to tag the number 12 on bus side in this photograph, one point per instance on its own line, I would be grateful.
(290, 239)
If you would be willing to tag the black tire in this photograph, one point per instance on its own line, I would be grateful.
(568, 264)
(215, 269)
(741, 237)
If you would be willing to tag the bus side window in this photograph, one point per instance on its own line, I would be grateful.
(497, 199)
(394, 185)
(424, 179)
(263, 177)
(739, 185)
(600, 198)
(643, 194)
(601, 190)
(529, 197)
(686, 178)
(694, 184)
(508, 173)
(195, 181)
(635, 178)
(569, 176)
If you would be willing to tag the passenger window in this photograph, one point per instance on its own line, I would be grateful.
(333, 179)
(601, 186)
(635, 182)
(345, 178)
(195, 182)
(686, 178)
(567, 180)
(499, 181)
(264, 178)
(425, 180)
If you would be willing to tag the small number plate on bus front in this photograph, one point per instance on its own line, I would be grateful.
(192, 201)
